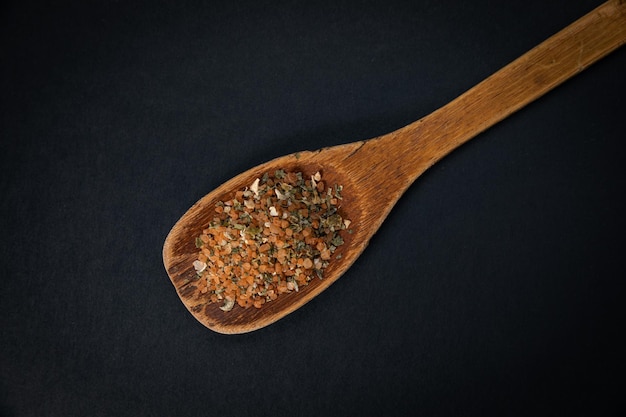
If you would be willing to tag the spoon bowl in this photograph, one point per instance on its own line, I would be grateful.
(376, 172)
(180, 251)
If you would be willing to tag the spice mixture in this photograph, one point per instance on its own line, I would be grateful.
(271, 238)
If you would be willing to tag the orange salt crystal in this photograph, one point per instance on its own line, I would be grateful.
(274, 229)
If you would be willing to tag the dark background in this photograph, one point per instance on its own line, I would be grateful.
(495, 286)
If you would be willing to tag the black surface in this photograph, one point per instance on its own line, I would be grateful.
(495, 286)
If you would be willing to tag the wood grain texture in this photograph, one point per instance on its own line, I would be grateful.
(375, 173)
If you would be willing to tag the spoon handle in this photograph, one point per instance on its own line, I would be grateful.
(409, 151)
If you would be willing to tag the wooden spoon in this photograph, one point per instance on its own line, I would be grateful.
(376, 172)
